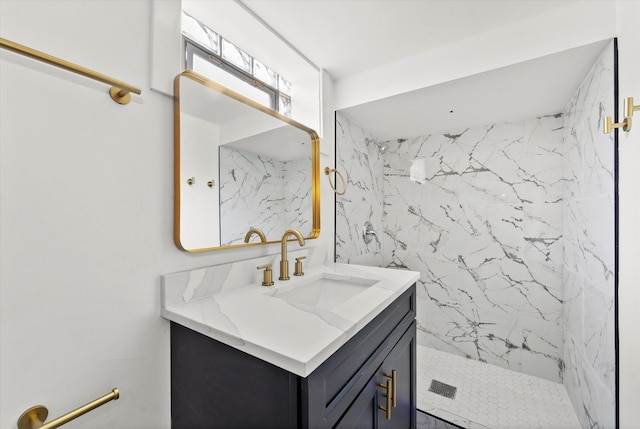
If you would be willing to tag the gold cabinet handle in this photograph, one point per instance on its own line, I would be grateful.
(393, 378)
(328, 171)
(387, 410)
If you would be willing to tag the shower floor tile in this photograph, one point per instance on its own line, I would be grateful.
(488, 396)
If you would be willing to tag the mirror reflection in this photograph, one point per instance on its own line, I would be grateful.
(239, 167)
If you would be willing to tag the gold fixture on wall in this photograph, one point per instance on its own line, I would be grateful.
(609, 125)
(35, 416)
(629, 108)
(328, 171)
(120, 92)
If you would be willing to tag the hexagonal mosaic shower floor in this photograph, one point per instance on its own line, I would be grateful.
(487, 396)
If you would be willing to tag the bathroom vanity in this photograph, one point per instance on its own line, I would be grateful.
(292, 358)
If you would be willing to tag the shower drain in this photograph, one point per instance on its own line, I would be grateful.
(443, 389)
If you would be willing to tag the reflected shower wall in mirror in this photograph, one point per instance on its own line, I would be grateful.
(239, 165)
(262, 191)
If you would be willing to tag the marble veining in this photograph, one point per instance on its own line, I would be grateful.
(362, 167)
(480, 218)
(261, 192)
(588, 266)
(228, 303)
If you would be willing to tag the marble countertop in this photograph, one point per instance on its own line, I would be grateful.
(254, 318)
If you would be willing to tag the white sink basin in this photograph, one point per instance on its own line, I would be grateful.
(326, 292)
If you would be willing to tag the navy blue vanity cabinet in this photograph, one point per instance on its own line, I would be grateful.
(214, 385)
(373, 408)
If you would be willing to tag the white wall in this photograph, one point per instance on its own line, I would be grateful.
(86, 218)
(577, 24)
(628, 14)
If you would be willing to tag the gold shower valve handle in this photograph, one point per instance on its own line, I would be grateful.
(298, 270)
(191, 181)
(267, 279)
(211, 183)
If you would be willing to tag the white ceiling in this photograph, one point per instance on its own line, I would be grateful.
(346, 37)
(533, 88)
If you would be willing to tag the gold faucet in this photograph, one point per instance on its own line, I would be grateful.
(284, 263)
(257, 232)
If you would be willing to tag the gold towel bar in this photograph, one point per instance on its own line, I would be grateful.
(120, 91)
(35, 416)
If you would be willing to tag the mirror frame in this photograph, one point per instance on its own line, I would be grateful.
(315, 157)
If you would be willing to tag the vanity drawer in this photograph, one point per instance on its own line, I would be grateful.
(332, 387)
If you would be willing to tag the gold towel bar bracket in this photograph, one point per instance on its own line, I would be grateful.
(35, 416)
(328, 171)
(120, 92)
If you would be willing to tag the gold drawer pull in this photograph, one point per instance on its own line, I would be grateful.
(388, 408)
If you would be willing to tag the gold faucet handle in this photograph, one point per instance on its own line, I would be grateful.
(267, 279)
(298, 270)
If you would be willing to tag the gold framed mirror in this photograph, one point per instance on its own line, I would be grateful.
(242, 171)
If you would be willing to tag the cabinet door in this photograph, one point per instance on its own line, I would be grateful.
(363, 412)
(402, 361)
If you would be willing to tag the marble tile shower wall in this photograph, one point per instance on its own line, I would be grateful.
(484, 229)
(588, 231)
(252, 184)
(363, 168)
(483, 225)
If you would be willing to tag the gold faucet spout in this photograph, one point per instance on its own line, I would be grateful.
(257, 232)
(284, 263)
